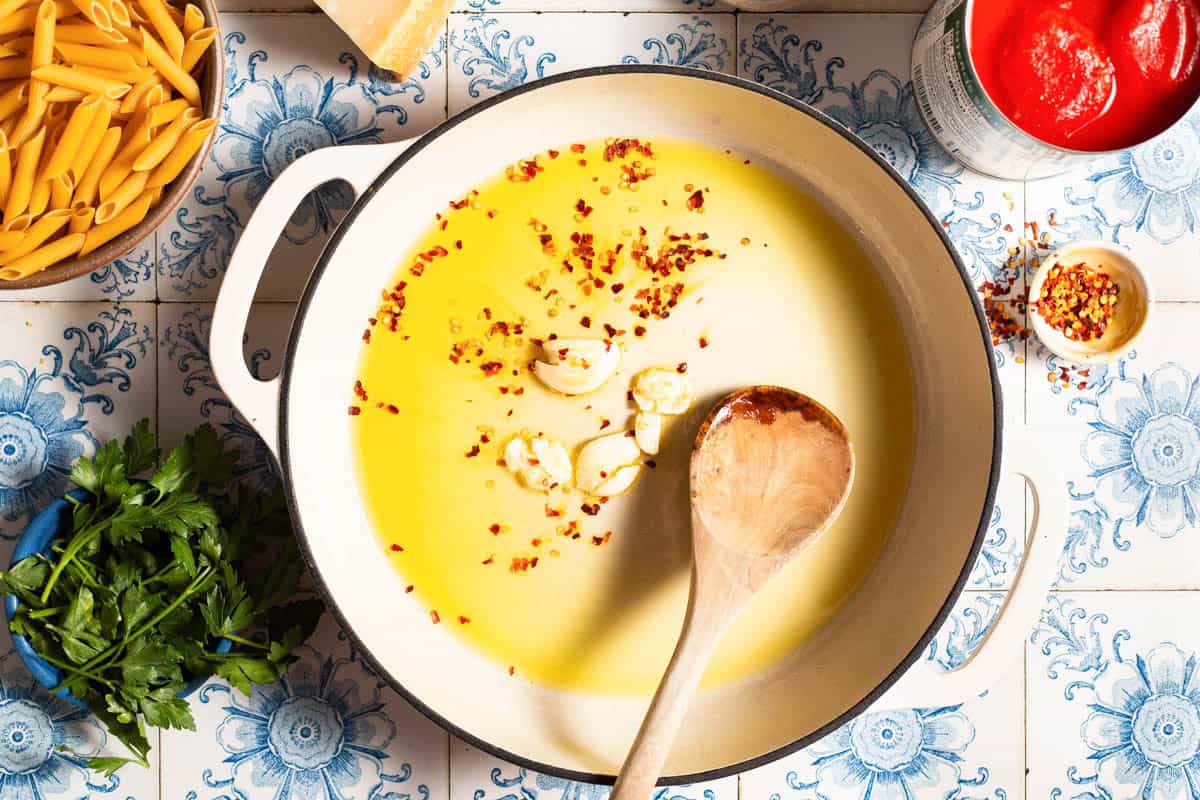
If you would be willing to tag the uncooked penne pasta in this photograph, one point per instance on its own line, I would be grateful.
(163, 113)
(193, 20)
(96, 12)
(81, 218)
(17, 223)
(32, 119)
(9, 7)
(130, 101)
(5, 169)
(10, 239)
(72, 137)
(28, 156)
(195, 47)
(61, 94)
(39, 198)
(91, 140)
(43, 257)
(164, 141)
(86, 33)
(86, 187)
(184, 83)
(134, 213)
(87, 55)
(46, 226)
(122, 163)
(81, 79)
(189, 144)
(119, 13)
(122, 196)
(42, 53)
(13, 100)
(61, 189)
(166, 28)
(18, 21)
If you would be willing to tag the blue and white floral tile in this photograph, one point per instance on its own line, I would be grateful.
(856, 68)
(293, 83)
(491, 53)
(330, 729)
(130, 278)
(1146, 198)
(475, 775)
(968, 751)
(1129, 440)
(72, 376)
(34, 725)
(1113, 700)
(188, 391)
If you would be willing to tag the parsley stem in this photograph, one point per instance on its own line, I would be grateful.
(80, 541)
(46, 612)
(73, 672)
(247, 642)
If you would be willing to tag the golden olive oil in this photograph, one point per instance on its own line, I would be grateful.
(590, 596)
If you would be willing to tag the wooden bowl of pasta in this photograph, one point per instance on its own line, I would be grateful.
(107, 112)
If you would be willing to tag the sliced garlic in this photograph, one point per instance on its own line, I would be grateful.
(608, 465)
(647, 431)
(539, 462)
(577, 366)
(662, 391)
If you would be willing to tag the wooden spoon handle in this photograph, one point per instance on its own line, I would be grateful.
(703, 628)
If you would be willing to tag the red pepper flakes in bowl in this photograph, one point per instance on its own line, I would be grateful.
(1078, 301)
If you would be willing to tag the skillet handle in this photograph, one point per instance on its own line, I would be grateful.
(257, 400)
(922, 686)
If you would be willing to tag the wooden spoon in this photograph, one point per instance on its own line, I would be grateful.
(771, 469)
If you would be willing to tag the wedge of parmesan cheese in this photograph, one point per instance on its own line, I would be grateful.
(395, 34)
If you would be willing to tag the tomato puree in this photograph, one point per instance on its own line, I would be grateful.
(1089, 74)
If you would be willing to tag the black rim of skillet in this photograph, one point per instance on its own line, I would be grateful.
(314, 283)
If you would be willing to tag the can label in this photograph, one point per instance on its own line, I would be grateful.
(958, 111)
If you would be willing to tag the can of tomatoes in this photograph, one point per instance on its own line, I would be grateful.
(1055, 68)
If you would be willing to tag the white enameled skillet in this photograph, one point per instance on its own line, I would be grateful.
(874, 644)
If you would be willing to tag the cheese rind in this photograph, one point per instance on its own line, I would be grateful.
(394, 34)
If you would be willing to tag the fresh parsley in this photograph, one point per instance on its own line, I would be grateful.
(135, 601)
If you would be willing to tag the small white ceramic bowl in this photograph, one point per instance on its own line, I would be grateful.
(1133, 302)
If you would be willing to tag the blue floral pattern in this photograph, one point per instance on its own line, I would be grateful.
(320, 733)
(267, 124)
(494, 60)
(695, 44)
(43, 741)
(186, 345)
(43, 428)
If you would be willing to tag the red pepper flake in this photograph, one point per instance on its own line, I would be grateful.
(586, 322)
(535, 542)
(434, 616)
(491, 368)
(359, 391)
(354, 411)
(591, 509)
(583, 208)
(408, 589)
(511, 669)
(463, 620)
(553, 512)
(494, 528)
(695, 200)
(681, 367)
(620, 148)
(639, 330)
(484, 438)
(552, 153)
(489, 560)
(617, 288)
(605, 422)
(612, 331)
(366, 337)
(600, 540)
(392, 409)
(397, 548)
(703, 342)
(474, 451)
(521, 564)
(651, 463)
(458, 244)
(578, 148)
(491, 213)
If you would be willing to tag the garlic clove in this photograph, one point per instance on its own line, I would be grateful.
(577, 366)
(662, 391)
(647, 431)
(601, 459)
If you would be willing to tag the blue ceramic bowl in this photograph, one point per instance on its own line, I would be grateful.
(53, 521)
